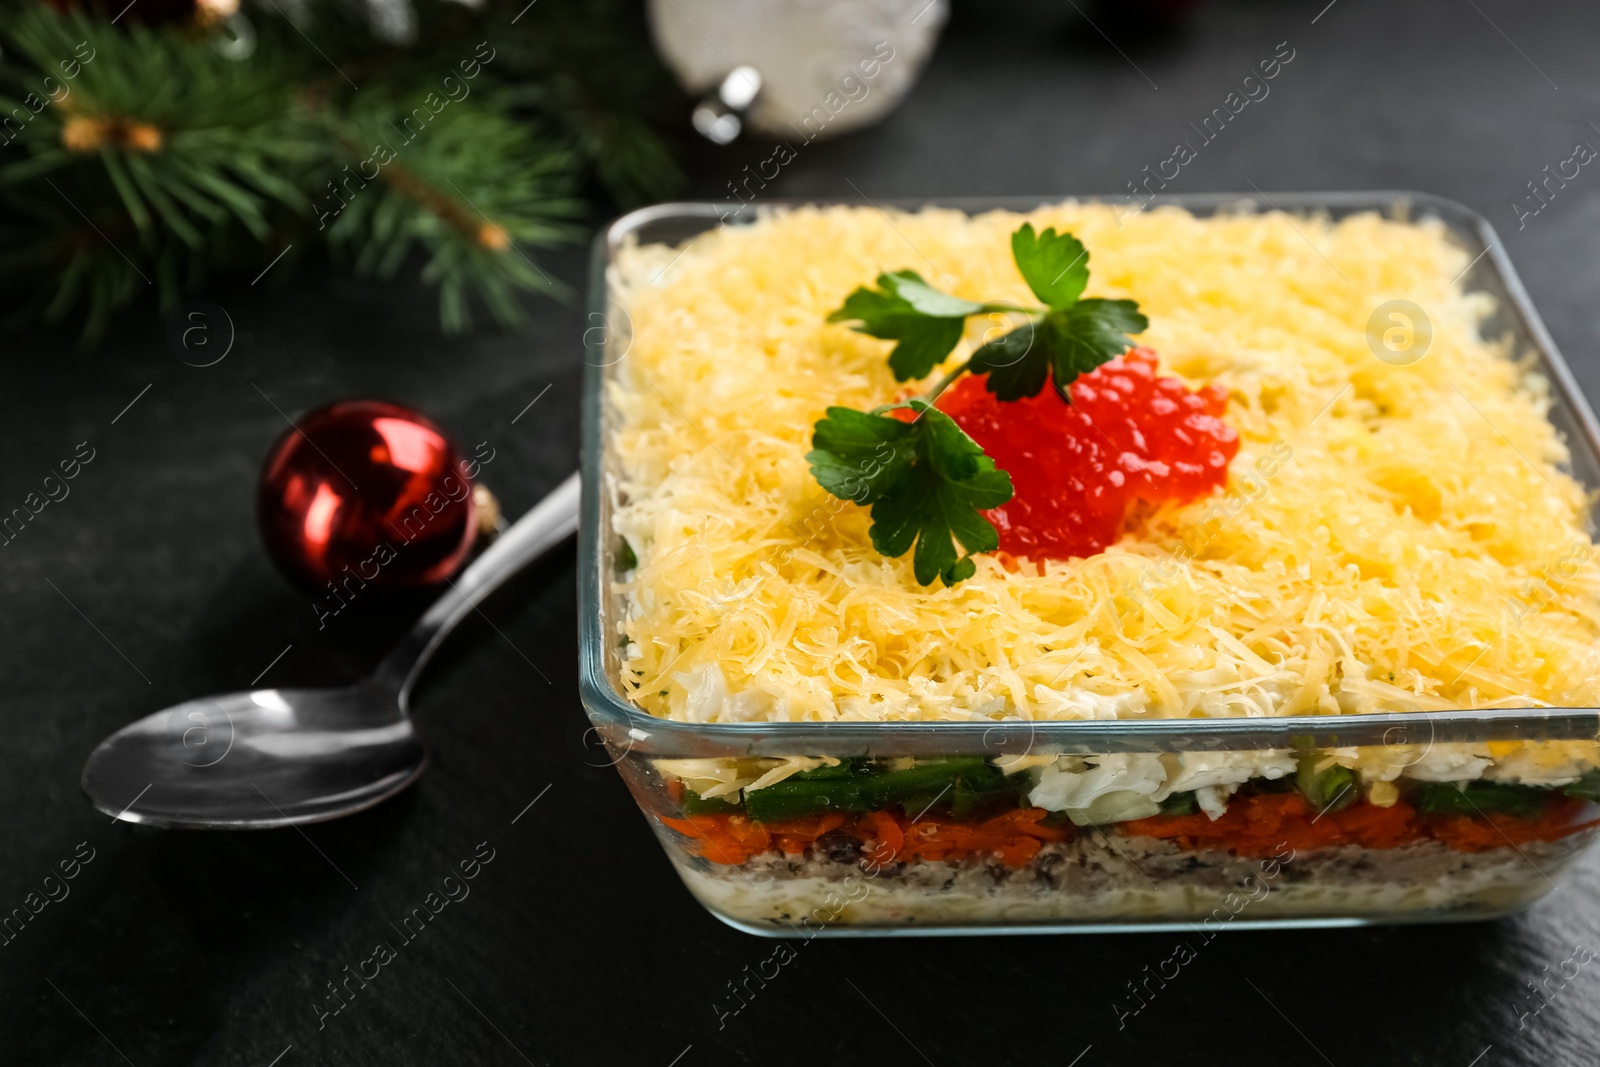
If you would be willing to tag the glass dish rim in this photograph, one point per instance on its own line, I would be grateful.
(635, 730)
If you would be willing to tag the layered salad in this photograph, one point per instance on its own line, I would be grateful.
(1076, 465)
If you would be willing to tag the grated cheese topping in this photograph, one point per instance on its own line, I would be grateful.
(1391, 537)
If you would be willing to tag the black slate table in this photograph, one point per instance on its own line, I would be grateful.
(577, 944)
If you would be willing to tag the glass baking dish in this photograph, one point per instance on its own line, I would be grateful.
(953, 862)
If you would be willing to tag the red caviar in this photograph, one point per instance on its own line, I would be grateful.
(1129, 434)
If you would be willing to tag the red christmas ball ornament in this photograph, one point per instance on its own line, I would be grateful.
(363, 492)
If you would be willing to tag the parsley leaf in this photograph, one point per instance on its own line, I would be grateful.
(1067, 342)
(857, 455)
(1055, 266)
(1017, 363)
(926, 480)
(905, 308)
(1074, 336)
(1092, 332)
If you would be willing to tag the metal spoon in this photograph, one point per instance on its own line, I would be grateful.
(262, 758)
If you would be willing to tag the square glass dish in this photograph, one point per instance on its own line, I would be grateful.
(920, 826)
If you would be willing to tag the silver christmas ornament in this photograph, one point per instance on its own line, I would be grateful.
(794, 68)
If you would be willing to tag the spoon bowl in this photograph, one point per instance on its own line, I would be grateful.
(263, 758)
(258, 759)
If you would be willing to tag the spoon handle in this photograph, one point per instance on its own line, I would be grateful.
(542, 528)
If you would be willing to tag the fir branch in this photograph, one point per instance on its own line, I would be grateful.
(163, 159)
(590, 70)
(473, 188)
(158, 143)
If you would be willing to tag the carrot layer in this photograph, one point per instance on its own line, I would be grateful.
(1014, 837)
(1260, 825)
(1254, 825)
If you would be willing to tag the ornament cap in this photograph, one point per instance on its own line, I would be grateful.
(491, 521)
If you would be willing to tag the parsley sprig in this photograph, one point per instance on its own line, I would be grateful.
(925, 479)
(905, 308)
